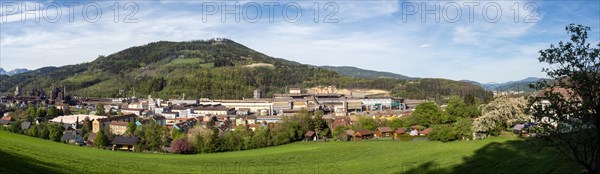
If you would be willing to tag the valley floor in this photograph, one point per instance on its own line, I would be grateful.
(23, 154)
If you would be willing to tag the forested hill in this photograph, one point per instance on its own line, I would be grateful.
(208, 69)
(363, 73)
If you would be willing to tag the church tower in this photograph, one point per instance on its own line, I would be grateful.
(17, 92)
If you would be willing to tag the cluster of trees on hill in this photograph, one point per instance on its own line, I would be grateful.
(210, 139)
(42, 130)
(439, 89)
(362, 73)
(463, 118)
(32, 112)
(452, 123)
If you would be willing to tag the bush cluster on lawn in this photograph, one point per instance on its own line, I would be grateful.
(47, 131)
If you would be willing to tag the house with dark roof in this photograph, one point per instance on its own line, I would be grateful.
(72, 137)
(147, 113)
(214, 110)
(399, 132)
(160, 120)
(124, 143)
(350, 132)
(425, 132)
(544, 94)
(362, 135)
(383, 132)
(6, 121)
(345, 135)
(310, 136)
(183, 111)
(340, 122)
(6, 118)
(185, 125)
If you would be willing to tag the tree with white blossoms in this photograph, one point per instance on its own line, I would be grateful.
(501, 113)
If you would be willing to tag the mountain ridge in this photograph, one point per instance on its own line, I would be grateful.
(211, 69)
(365, 73)
(516, 85)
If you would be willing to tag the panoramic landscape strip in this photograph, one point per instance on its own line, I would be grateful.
(299, 87)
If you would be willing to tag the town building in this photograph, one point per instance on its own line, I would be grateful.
(127, 111)
(102, 123)
(213, 110)
(124, 143)
(74, 120)
(118, 127)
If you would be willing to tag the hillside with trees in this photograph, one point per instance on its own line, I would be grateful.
(211, 69)
(363, 73)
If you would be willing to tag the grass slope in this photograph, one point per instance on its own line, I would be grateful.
(22, 154)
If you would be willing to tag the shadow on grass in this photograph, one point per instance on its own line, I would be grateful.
(517, 156)
(11, 163)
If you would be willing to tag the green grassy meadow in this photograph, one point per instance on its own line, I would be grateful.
(23, 154)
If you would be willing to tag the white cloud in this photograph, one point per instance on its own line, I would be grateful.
(532, 49)
(425, 45)
(465, 35)
(350, 11)
(495, 21)
(294, 29)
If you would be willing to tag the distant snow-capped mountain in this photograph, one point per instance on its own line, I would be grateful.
(519, 85)
(13, 72)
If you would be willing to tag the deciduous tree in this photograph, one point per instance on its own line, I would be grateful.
(570, 121)
(428, 114)
(501, 113)
(100, 109)
(56, 132)
(101, 139)
(86, 127)
(131, 128)
(41, 112)
(52, 112)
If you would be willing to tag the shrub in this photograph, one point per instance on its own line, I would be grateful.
(443, 133)
(182, 146)
(459, 130)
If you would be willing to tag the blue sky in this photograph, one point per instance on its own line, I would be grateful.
(490, 41)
